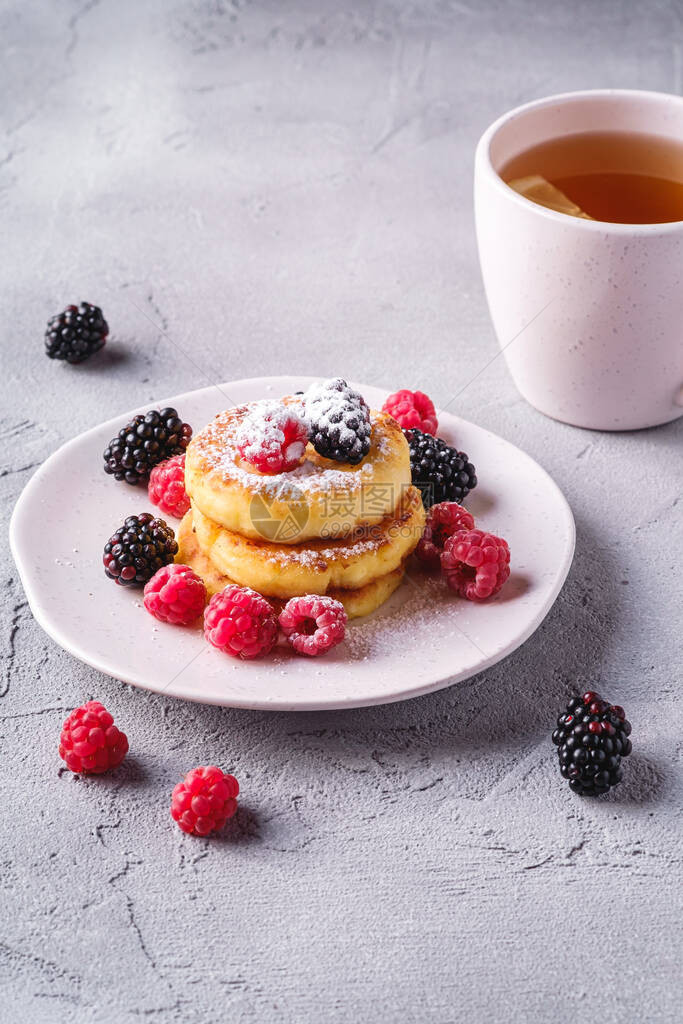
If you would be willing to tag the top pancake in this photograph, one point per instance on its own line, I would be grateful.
(318, 499)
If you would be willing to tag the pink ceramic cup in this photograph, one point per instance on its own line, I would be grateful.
(595, 309)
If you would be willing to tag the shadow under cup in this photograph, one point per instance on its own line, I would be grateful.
(589, 314)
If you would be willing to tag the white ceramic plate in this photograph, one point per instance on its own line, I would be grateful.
(423, 639)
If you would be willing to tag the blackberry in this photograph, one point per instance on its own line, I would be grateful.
(442, 473)
(591, 738)
(149, 438)
(338, 421)
(138, 549)
(76, 333)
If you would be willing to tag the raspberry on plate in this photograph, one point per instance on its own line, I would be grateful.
(166, 487)
(240, 622)
(412, 409)
(443, 520)
(175, 594)
(475, 564)
(90, 743)
(272, 437)
(204, 800)
(313, 624)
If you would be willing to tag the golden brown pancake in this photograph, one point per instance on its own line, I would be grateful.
(361, 601)
(320, 498)
(315, 566)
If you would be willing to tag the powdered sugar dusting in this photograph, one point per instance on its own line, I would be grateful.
(328, 405)
(311, 557)
(318, 554)
(264, 430)
(218, 443)
(408, 612)
(330, 394)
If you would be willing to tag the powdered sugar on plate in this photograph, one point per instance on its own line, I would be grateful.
(407, 612)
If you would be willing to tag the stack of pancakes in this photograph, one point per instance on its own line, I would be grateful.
(323, 528)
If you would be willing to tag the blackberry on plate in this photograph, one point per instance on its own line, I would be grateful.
(138, 549)
(76, 333)
(338, 421)
(149, 438)
(591, 738)
(442, 473)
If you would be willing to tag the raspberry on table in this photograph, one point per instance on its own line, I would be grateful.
(443, 520)
(166, 487)
(204, 800)
(313, 624)
(240, 622)
(138, 549)
(412, 409)
(441, 472)
(272, 437)
(591, 737)
(175, 594)
(149, 438)
(76, 333)
(475, 564)
(338, 420)
(89, 742)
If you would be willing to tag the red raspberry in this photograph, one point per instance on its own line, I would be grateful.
(313, 624)
(443, 520)
(475, 564)
(90, 743)
(272, 437)
(412, 409)
(204, 800)
(240, 622)
(175, 594)
(166, 487)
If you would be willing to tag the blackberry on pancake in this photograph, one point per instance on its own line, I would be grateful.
(339, 421)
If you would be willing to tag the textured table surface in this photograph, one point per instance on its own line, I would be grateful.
(254, 188)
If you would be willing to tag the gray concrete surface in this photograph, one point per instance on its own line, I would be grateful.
(257, 187)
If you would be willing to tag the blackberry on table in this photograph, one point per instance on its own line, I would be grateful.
(149, 438)
(76, 333)
(440, 472)
(338, 420)
(591, 738)
(138, 549)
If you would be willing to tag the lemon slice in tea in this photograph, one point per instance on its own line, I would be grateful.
(538, 190)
